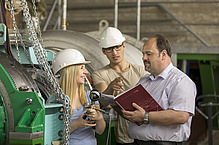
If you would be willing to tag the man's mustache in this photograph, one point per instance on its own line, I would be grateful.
(145, 61)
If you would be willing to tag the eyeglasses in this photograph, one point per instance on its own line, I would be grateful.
(110, 49)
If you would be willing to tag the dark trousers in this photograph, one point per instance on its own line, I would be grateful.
(141, 142)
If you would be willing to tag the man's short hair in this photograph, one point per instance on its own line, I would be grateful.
(163, 44)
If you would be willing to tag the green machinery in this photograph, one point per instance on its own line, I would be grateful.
(207, 66)
(24, 114)
(25, 118)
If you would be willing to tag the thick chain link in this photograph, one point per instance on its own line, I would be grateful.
(42, 60)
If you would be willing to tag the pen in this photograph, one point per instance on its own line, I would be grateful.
(122, 88)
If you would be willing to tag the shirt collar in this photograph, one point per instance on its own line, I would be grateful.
(164, 73)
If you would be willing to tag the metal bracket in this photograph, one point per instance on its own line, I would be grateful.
(3, 33)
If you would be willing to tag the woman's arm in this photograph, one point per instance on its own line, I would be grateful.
(96, 116)
(101, 124)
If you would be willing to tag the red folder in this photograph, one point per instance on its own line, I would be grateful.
(136, 95)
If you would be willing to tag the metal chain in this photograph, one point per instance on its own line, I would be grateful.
(37, 23)
(42, 60)
(41, 42)
(10, 8)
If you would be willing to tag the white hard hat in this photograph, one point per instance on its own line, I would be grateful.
(67, 57)
(111, 37)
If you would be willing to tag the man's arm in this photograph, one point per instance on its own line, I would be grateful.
(164, 117)
(98, 81)
(168, 117)
(114, 85)
(101, 87)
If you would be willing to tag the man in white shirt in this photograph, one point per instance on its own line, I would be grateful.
(174, 91)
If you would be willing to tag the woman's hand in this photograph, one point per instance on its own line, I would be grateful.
(81, 123)
(98, 118)
(94, 115)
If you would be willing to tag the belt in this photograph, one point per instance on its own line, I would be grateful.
(152, 142)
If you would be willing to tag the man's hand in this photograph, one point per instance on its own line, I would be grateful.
(134, 116)
(115, 85)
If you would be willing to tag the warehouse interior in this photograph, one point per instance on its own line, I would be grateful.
(192, 26)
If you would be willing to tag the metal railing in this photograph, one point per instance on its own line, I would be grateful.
(138, 4)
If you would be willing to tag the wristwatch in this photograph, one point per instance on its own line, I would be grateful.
(145, 120)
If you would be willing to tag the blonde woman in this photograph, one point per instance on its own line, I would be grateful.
(70, 64)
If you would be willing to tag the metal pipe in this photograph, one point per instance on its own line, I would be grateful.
(116, 14)
(174, 59)
(184, 65)
(59, 14)
(210, 140)
(58, 22)
(55, 26)
(187, 28)
(138, 19)
(64, 14)
(50, 15)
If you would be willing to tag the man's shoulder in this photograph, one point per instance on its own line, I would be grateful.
(102, 70)
(179, 75)
(105, 68)
(139, 69)
(137, 66)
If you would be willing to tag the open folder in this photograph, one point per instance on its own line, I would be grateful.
(137, 95)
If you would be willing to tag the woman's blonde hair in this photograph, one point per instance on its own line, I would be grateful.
(68, 83)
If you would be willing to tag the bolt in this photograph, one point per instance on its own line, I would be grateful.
(60, 133)
(1, 33)
(23, 88)
(29, 101)
(61, 117)
(61, 110)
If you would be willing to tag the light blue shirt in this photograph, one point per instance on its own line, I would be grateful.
(172, 89)
(82, 136)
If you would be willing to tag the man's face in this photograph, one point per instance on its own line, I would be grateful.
(115, 54)
(151, 57)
